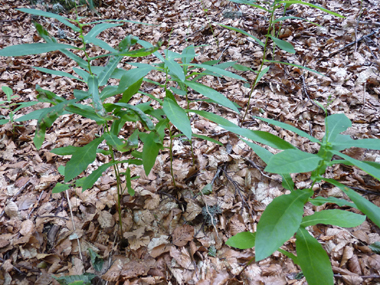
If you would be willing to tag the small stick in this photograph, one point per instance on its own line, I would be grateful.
(354, 42)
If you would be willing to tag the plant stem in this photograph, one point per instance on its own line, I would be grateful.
(262, 63)
(171, 155)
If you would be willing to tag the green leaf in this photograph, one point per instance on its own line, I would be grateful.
(58, 188)
(107, 71)
(46, 120)
(132, 90)
(363, 143)
(318, 201)
(56, 72)
(175, 69)
(177, 116)
(113, 140)
(93, 89)
(292, 17)
(144, 118)
(293, 161)
(290, 255)
(242, 240)
(81, 73)
(100, 43)
(63, 20)
(8, 92)
(248, 2)
(289, 128)
(67, 150)
(310, 5)
(296, 65)
(61, 169)
(217, 70)
(213, 118)
(89, 181)
(212, 94)
(261, 137)
(150, 151)
(335, 124)
(366, 207)
(372, 168)
(96, 260)
(28, 49)
(97, 29)
(375, 247)
(244, 33)
(81, 159)
(336, 217)
(283, 45)
(69, 280)
(128, 179)
(207, 139)
(313, 259)
(279, 222)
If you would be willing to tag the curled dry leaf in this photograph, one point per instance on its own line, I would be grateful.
(347, 254)
(27, 228)
(11, 210)
(354, 266)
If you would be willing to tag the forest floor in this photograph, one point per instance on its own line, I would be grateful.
(171, 238)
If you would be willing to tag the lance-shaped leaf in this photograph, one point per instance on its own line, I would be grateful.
(279, 222)
(313, 259)
(217, 69)
(283, 45)
(372, 168)
(250, 3)
(310, 5)
(37, 48)
(63, 20)
(289, 128)
(244, 33)
(175, 69)
(81, 159)
(212, 94)
(56, 72)
(296, 65)
(242, 240)
(368, 208)
(265, 155)
(293, 161)
(177, 116)
(107, 71)
(335, 217)
(335, 124)
(59, 187)
(318, 201)
(93, 89)
(363, 143)
(144, 118)
(150, 150)
(89, 181)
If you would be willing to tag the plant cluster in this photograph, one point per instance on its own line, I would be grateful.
(102, 103)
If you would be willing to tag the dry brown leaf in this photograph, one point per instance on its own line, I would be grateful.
(182, 235)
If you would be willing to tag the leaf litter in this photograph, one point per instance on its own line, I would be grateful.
(169, 231)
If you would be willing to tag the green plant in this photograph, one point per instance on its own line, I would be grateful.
(271, 7)
(283, 217)
(10, 106)
(111, 111)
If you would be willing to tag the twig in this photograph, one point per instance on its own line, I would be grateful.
(39, 199)
(354, 42)
(74, 228)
